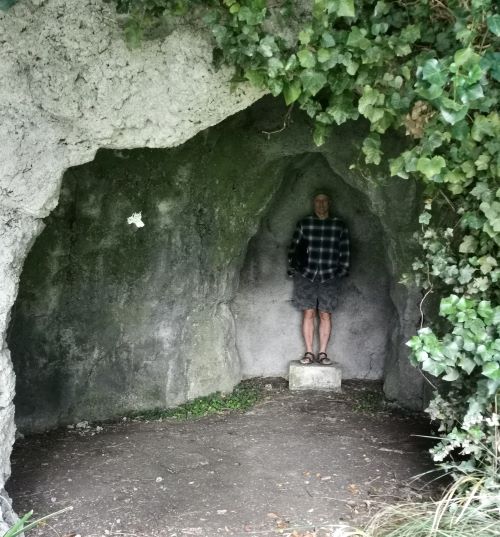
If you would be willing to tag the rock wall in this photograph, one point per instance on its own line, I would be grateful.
(112, 318)
(68, 87)
(268, 326)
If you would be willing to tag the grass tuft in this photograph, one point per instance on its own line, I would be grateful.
(466, 509)
(243, 397)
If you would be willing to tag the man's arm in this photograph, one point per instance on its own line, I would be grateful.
(344, 254)
(297, 236)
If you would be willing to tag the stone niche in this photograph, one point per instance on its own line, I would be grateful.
(112, 318)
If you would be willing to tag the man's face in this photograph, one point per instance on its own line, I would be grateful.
(321, 205)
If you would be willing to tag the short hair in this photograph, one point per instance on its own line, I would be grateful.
(322, 192)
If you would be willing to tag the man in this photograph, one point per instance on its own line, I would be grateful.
(318, 256)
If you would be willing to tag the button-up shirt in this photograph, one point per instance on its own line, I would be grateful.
(326, 246)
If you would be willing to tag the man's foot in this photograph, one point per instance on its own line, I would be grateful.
(323, 359)
(308, 358)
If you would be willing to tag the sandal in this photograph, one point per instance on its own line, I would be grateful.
(308, 358)
(323, 359)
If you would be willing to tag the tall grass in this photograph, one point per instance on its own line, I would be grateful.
(24, 524)
(467, 509)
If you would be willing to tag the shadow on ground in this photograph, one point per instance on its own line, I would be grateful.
(296, 462)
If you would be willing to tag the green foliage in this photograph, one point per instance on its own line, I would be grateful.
(466, 509)
(432, 69)
(25, 523)
(243, 397)
(19, 527)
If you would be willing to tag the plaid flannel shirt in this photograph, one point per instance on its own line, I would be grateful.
(327, 248)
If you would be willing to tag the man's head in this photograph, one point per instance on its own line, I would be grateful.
(321, 204)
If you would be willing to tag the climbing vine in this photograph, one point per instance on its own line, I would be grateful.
(431, 70)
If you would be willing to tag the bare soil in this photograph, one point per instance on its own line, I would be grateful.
(296, 464)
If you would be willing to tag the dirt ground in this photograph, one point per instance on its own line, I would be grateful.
(296, 464)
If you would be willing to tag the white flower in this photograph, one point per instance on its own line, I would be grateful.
(136, 219)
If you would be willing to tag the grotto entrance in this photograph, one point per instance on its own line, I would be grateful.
(112, 318)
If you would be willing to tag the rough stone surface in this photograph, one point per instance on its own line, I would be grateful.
(69, 86)
(269, 332)
(314, 377)
(112, 318)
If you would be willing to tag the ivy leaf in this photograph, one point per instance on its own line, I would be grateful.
(367, 101)
(275, 85)
(487, 263)
(319, 134)
(424, 218)
(371, 149)
(292, 91)
(468, 245)
(327, 40)
(433, 72)
(267, 46)
(494, 24)
(306, 58)
(471, 93)
(482, 162)
(451, 374)
(292, 63)
(346, 8)
(451, 111)
(342, 109)
(492, 213)
(485, 126)
(491, 62)
(305, 35)
(274, 66)
(430, 167)
(491, 370)
(357, 39)
(467, 364)
(465, 274)
(324, 55)
(485, 310)
(255, 77)
(465, 55)
(480, 190)
(447, 305)
(312, 81)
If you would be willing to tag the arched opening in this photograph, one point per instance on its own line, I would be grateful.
(111, 317)
(268, 327)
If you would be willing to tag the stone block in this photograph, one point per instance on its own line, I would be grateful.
(314, 377)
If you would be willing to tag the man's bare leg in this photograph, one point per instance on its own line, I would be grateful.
(308, 329)
(325, 329)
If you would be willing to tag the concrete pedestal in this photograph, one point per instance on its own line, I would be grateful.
(314, 377)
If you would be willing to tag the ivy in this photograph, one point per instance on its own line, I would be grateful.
(431, 70)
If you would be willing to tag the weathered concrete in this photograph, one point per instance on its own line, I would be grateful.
(314, 377)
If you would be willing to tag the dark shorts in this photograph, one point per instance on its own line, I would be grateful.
(315, 295)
